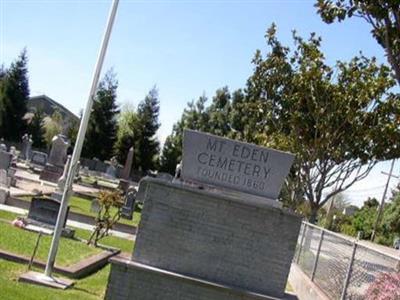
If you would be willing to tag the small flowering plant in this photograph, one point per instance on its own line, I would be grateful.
(385, 287)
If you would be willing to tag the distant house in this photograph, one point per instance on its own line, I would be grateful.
(48, 106)
(350, 210)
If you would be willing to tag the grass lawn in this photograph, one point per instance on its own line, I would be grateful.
(82, 206)
(21, 241)
(91, 287)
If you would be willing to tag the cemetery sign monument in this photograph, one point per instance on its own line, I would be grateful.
(209, 235)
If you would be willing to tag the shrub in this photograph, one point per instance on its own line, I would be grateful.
(385, 287)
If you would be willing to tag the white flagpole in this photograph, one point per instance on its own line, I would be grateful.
(79, 143)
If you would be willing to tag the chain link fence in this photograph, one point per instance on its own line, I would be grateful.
(339, 265)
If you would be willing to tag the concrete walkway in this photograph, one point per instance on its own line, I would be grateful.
(75, 224)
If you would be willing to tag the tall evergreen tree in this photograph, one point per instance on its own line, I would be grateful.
(14, 94)
(37, 130)
(102, 127)
(127, 129)
(146, 144)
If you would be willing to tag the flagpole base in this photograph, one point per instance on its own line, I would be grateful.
(47, 281)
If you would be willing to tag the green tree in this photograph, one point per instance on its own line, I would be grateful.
(146, 142)
(14, 94)
(339, 121)
(102, 126)
(127, 130)
(37, 130)
(195, 116)
(391, 216)
(53, 126)
(383, 16)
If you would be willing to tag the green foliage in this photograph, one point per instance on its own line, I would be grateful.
(391, 216)
(127, 127)
(138, 128)
(37, 130)
(171, 155)
(53, 127)
(102, 126)
(337, 120)
(146, 142)
(110, 203)
(383, 16)
(14, 94)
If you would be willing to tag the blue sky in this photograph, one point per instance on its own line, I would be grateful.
(185, 48)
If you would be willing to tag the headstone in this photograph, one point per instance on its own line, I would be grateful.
(45, 211)
(5, 180)
(51, 173)
(39, 158)
(207, 240)
(58, 193)
(85, 171)
(56, 161)
(5, 160)
(26, 147)
(112, 168)
(58, 152)
(234, 165)
(126, 172)
(129, 205)
(95, 206)
(4, 194)
(3, 146)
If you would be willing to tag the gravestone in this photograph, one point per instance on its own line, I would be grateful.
(26, 151)
(5, 160)
(95, 206)
(58, 152)
(203, 239)
(55, 164)
(3, 146)
(112, 168)
(4, 195)
(126, 172)
(38, 159)
(58, 193)
(5, 180)
(44, 211)
(129, 205)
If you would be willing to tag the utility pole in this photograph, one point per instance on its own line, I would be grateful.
(328, 223)
(380, 210)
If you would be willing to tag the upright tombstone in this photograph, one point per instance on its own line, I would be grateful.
(129, 205)
(58, 193)
(5, 160)
(217, 234)
(3, 146)
(112, 168)
(38, 159)
(55, 164)
(58, 152)
(26, 151)
(126, 172)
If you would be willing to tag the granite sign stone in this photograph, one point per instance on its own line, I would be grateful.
(234, 165)
(201, 242)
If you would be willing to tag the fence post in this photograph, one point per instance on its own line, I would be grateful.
(349, 270)
(317, 256)
(301, 242)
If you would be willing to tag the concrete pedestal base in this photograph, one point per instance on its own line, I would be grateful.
(41, 279)
(132, 280)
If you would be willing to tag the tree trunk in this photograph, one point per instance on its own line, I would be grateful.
(314, 213)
